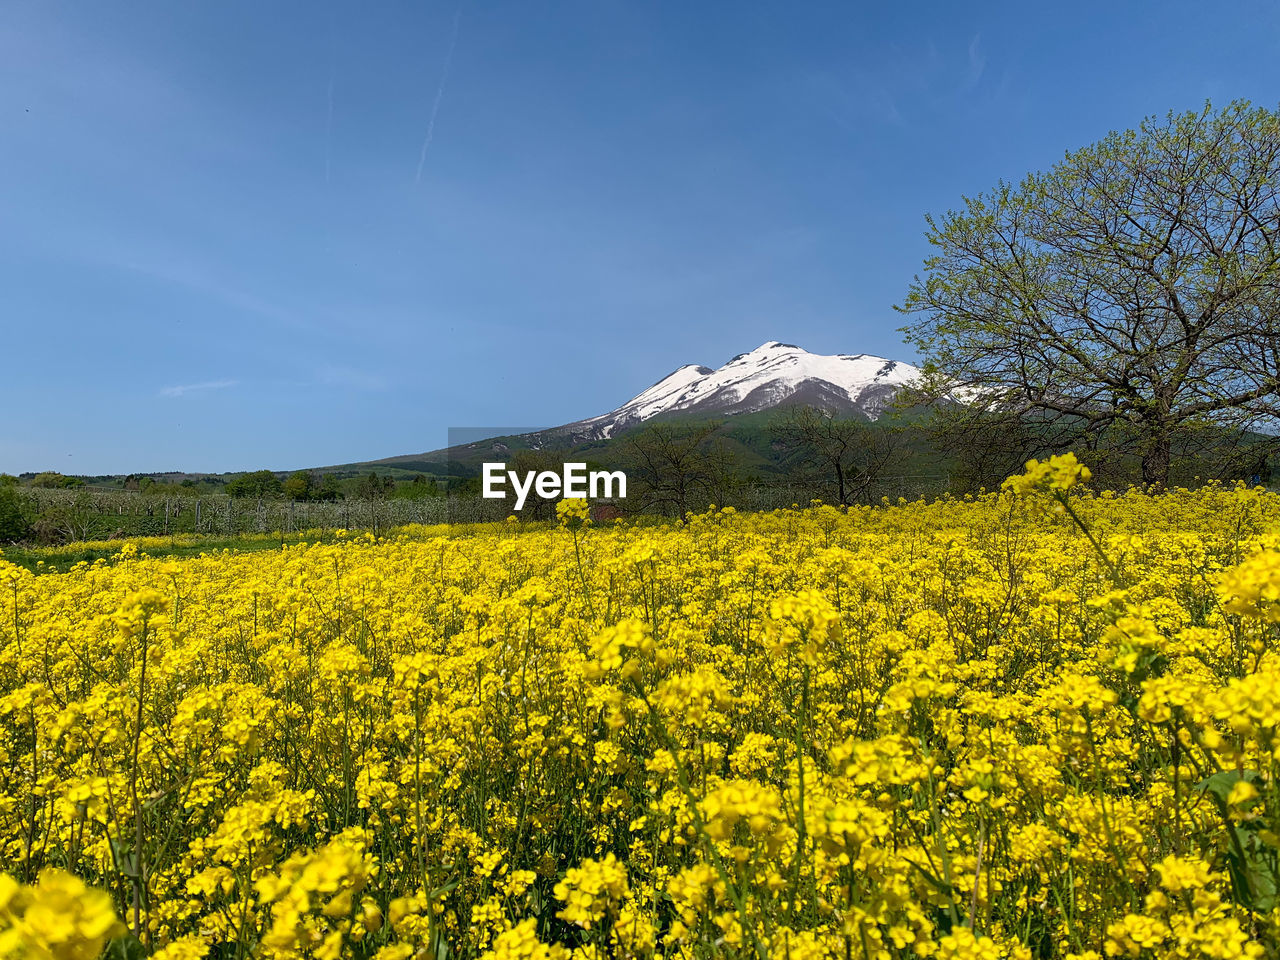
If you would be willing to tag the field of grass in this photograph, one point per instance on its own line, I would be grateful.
(1039, 723)
(55, 559)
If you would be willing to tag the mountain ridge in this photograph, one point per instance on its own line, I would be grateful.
(771, 375)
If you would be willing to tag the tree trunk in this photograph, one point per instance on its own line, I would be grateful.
(1155, 459)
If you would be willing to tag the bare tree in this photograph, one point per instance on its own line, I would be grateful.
(1135, 286)
(846, 456)
(675, 468)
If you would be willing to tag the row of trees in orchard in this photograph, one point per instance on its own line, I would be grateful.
(1126, 302)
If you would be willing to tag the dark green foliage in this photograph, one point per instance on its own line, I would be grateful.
(14, 523)
(50, 480)
(373, 486)
(260, 484)
(1251, 862)
(300, 485)
(330, 489)
(421, 487)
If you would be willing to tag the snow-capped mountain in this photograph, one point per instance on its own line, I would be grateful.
(773, 374)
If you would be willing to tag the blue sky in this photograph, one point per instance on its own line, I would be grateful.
(241, 234)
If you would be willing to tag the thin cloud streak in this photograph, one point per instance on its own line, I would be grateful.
(977, 62)
(333, 75)
(435, 105)
(185, 388)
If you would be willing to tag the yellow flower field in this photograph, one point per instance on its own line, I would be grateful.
(1031, 724)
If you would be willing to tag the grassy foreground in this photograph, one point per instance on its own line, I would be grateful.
(53, 559)
(1032, 724)
(62, 558)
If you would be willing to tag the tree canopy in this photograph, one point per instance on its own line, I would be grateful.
(1134, 288)
(259, 483)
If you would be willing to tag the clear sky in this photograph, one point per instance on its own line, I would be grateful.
(242, 234)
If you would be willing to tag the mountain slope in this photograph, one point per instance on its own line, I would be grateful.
(771, 375)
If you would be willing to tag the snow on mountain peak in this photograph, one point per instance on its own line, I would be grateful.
(772, 374)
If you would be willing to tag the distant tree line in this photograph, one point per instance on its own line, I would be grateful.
(303, 486)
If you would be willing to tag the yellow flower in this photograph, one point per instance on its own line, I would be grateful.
(58, 917)
(590, 890)
(1252, 588)
(1182, 874)
(521, 943)
(900, 730)
(573, 509)
(1058, 473)
(805, 620)
(188, 948)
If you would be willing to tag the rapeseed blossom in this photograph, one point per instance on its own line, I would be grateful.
(57, 917)
(968, 728)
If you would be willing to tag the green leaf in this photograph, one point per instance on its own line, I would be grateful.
(126, 859)
(1221, 784)
(1250, 862)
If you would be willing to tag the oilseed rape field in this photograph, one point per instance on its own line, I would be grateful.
(1041, 722)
